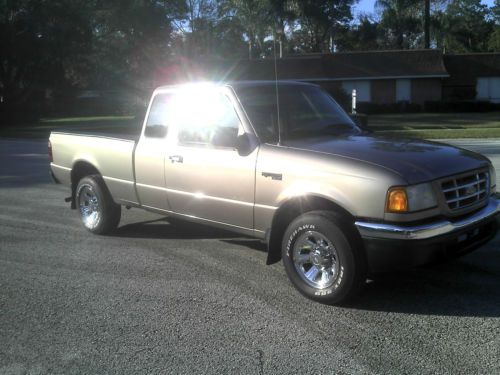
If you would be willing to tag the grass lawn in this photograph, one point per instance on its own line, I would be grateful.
(418, 125)
(438, 125)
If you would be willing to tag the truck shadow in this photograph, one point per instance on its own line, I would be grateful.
(468, 286)
(168, 228)
(464, 287)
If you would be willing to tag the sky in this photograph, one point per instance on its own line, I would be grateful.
(367, 6)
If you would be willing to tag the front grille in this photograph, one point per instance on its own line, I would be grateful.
(466, 190)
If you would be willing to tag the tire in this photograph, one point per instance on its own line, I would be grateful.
(98, 212)
(323, 257)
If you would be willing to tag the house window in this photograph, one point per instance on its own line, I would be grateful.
(363, 90)
(403, 90)
(488, 88)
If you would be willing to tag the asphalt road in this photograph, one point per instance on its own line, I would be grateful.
(168, 298)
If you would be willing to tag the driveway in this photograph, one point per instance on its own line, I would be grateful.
(162, 297)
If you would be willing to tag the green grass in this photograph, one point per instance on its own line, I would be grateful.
(438, 125)
(443, 134)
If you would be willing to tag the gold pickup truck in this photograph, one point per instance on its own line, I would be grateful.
(281, 161)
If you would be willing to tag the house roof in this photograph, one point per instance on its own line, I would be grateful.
(348, 65)
(286, 68)
(316, 67)
(465, 68)
(385, 64)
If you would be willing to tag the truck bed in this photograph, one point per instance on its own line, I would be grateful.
(110, 154)
(126, 136)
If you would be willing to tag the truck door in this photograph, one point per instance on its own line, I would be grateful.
(150, 155)
(205, 175)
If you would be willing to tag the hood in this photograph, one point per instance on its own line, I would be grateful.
(415, 160)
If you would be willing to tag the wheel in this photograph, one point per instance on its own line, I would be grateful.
(99, 213)
(323, 257)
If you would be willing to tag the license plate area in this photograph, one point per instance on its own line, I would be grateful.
(468, 235)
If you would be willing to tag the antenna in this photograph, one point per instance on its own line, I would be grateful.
(276, 85)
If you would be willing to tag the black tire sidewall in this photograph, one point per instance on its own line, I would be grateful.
(351, 270)
(106, 204)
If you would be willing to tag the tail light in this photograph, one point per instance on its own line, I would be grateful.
(51, 158)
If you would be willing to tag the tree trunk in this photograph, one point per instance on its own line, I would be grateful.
(427, 21)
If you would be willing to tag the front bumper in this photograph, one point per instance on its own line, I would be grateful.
(390, 246)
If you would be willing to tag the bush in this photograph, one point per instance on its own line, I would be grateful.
(461, 106)
(19, 113)
(400, 107)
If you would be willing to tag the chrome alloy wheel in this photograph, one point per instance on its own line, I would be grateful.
(90, 209)
(316, 260)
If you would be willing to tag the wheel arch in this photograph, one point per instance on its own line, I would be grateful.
(291, 209)
(81, 169)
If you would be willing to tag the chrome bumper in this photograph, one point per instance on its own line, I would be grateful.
(422, 232)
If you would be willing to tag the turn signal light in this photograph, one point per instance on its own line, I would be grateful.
(397, 200)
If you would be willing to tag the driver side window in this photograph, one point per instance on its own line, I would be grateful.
(209, 120)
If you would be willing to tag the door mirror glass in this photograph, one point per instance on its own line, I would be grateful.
(243, 144)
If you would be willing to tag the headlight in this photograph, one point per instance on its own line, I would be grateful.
(493, 179)
(410, 198)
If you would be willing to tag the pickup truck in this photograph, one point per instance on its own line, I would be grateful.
(282, 162)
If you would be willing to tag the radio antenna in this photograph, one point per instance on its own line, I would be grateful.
(277, 91)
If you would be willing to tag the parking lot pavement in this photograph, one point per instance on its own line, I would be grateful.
(162, 297)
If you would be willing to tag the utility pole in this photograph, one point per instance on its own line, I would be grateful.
(427, 21)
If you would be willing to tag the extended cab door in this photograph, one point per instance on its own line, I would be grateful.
(149, 157)
(206, 176)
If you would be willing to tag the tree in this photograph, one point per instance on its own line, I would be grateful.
(400, 22)
(363, 36)
(494, 40)
(255, 18)
(467, 26)
(321, 24)
(196, 27)
(206, 30)
(43, 44)
(131, 38)
(427, 23)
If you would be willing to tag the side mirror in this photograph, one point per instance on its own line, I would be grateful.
(243, 145)
(156, 131)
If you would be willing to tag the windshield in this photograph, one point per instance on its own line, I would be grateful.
(305, 111)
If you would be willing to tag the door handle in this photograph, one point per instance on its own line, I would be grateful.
(176, 158)
(274, 176)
